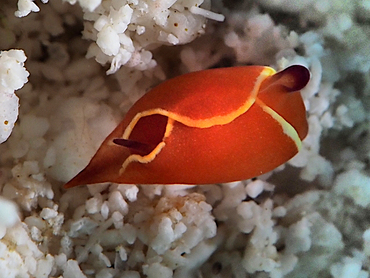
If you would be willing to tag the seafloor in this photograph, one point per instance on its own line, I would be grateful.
(307, 218)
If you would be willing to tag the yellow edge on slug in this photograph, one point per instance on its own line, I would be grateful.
(203, 123)
(288, 129)
(148, 158)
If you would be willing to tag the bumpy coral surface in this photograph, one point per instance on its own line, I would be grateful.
(308, 218)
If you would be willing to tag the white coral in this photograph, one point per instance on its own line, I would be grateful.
(13, 76)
